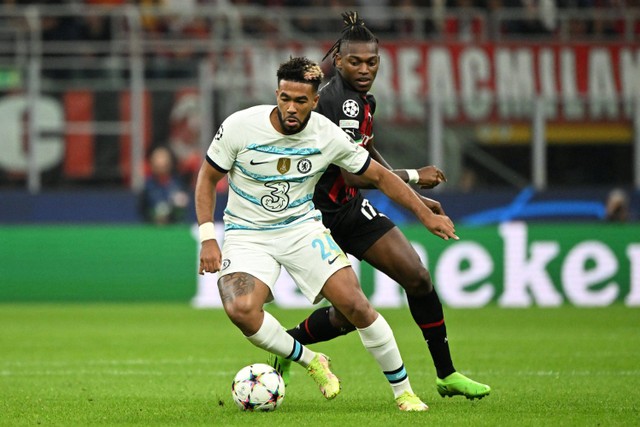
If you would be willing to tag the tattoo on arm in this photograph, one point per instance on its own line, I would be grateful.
(235, 285)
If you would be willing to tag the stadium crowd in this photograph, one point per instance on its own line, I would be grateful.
(463, 19)
(176, 33)
(174, 25)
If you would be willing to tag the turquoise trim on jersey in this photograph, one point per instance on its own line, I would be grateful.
(282, 224)
(300, 201)
(287, 151)
(268, 178)
(244, 195)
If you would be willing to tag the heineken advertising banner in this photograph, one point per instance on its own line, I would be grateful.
(509, 265)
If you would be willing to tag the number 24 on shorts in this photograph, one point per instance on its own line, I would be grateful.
(327, 246)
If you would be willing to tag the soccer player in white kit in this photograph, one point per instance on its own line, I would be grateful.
(274, 155)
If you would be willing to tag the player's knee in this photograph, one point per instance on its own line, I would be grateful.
(359, 312)
(418, 283)
(244, 315)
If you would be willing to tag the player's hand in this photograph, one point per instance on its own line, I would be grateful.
(430, 176)
(433, 205)
(441, 226)
(210, 257)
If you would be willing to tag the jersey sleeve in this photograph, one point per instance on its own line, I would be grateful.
(346, 112)
(223, 148)
(349, 155)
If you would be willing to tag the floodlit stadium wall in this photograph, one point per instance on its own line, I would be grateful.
(514, 264)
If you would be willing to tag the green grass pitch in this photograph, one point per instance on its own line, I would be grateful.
(169, 364)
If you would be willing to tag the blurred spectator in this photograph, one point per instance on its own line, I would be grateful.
(184, 135)
(604, 26)
(164, 199)
(617, 206)
(540, 17)
(57, 30)
(415, 25)
(467, 24)
(375, 13)
(256, 23)
(468, 180)
(306, 22)
(177, 21)
(496, 28)
(106, 2)
(95, 33)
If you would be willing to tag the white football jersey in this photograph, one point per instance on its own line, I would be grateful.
(271, 175)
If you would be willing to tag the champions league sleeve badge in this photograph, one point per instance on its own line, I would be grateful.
(218, 134)
(350, 108)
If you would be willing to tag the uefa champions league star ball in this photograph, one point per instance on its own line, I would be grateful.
(257, 387)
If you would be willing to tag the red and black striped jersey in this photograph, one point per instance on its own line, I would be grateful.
(353, 112)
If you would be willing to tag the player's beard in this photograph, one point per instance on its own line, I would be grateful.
(287, 129)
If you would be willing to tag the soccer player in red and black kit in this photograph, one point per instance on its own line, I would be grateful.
(359, 228)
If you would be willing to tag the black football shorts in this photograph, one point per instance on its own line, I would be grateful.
(357, 226)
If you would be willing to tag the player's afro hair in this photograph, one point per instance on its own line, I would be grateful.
(302, 70)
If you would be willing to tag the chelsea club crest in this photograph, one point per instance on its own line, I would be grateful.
(304, 166)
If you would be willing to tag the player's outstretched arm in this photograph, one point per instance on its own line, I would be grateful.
(430, 176)
(424, 177)
(205, 198)
(432, 173)
(434, 205)
(391, 185)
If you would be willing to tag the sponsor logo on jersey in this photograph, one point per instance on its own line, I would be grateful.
(349, 124)
(350, 134)
(350, 108)
(225, 263)
(284, 165)
(304, 166)
(253, 162)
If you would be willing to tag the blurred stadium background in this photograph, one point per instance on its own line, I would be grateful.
(532, 108)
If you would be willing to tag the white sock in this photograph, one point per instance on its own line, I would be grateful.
(379, 341)
(274, 339)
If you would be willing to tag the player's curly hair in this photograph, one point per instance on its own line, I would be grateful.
(354, 30)
(302, 70)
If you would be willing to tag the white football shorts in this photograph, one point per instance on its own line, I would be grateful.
(306, 250)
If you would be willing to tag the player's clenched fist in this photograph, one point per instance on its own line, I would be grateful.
(430, 176)
(210, 257)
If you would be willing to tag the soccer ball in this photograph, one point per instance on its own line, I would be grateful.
(257, 387)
